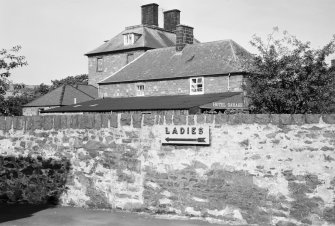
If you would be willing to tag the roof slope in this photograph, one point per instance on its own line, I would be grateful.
(63, 95)
(151, 37)
(144, 103)
(89, 89)
(211, 58)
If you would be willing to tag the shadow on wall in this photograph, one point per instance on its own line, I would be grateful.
(29, 185)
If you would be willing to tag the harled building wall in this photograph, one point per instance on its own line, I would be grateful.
(111, 63)
(214, 84)
(31, 111)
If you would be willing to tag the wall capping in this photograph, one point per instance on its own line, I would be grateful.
(114, 120)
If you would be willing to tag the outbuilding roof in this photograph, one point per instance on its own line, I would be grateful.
(64, 95)
(177, 102)
(89, 89)
(151, 37)
(200, 59)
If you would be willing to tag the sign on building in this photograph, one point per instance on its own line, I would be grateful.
(234, 102)
(186, 135)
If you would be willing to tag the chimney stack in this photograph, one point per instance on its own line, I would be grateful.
(332, 64)
(171, 19)
(184, 35)
(150, 14)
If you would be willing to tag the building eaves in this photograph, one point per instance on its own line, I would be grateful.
(177, 102)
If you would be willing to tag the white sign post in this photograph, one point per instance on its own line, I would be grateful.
(185, 135)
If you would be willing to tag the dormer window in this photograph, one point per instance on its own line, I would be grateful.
(130, 38)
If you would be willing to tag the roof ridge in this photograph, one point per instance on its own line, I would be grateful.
(194, 44)
(147, 26)
(41, 96)
(104, 44)
(123, 67)
(222, 40)
(232, 50)
(62, 95)
(82, 91)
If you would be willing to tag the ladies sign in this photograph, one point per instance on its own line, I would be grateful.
(186, 135)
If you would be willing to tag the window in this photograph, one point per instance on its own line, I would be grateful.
(197, 85)
(40, 110)
(130, 57)
(128, 39)
(100, 64)
(140, 90)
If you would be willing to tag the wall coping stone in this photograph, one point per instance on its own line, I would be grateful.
(97, 121)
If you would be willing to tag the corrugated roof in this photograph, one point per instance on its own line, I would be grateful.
(150, 37)
(212, 58)
(144, 103)
(63, 95)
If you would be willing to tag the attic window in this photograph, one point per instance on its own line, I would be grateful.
(92, 105)
(130, 38)
(77, 106)
(197, 85)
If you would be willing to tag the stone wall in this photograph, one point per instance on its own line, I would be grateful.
(258, 169)
(212, 84)
(111, 63)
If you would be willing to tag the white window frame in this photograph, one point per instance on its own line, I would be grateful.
(140, 87)
(128, 39)
(197, 85)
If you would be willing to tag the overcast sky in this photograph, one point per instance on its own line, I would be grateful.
(55, 34)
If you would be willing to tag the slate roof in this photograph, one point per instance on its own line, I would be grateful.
(89, 89)
(200, 59)
(151, 37)
(63, 95)
(144, 103)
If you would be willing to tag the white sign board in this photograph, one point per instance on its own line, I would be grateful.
(185, 135)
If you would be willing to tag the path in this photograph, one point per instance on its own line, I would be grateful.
(68, 216)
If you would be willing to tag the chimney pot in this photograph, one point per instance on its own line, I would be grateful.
(184, 35)
(150, 14)
(171, 19)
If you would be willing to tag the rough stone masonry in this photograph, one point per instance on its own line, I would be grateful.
(258, 169)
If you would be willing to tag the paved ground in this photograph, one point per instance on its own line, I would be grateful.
(67, 216)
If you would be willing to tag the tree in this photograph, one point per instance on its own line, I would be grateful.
(12, 106)
(9, 60)
(41, 90)
(70, 80)
(288, 76)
